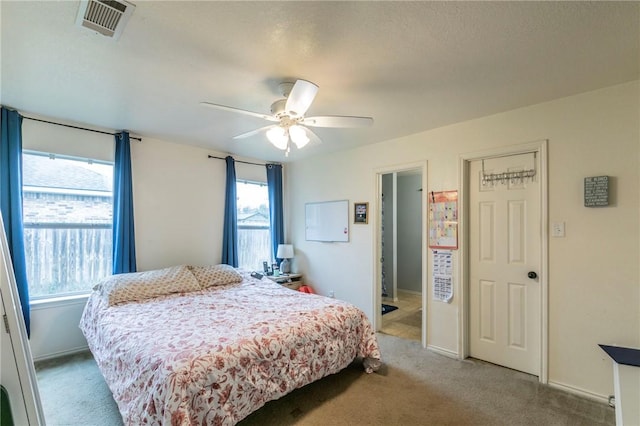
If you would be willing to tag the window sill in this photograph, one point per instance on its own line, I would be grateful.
(50, 302)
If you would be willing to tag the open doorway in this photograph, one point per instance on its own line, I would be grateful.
(400, 240)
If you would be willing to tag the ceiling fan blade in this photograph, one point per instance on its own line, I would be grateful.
(302, 95)
(312, 136)
(337, 121)
(254, 132)
(241, 111)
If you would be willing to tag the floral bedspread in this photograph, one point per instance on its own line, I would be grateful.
(212, 357)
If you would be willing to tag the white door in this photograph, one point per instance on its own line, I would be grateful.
(17, 372)
(504, 239)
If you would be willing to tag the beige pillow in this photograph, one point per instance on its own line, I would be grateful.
(211, 275)
(137, 286)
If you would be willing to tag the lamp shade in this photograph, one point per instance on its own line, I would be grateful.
(285, 251)
(298, 136)
(279, 137)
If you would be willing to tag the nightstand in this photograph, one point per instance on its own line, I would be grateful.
(292, 281)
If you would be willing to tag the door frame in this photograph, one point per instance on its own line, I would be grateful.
(540, 147)
(20, 379)
(377, 224)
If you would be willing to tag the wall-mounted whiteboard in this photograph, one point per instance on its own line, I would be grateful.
(327, 221)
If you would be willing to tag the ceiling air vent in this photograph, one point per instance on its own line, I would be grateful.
(108, 17)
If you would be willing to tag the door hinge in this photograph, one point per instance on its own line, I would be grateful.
(6, 323)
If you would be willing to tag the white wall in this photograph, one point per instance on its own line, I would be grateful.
(179, 196)
(178, 204)
(409, 213)
(54, 328)
(594, 278)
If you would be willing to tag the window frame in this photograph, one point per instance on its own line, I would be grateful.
(264, 184)
(68, 295)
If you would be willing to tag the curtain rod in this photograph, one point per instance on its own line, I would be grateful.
(240, 161)
(79, 128)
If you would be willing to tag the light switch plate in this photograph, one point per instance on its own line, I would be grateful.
(557, 229)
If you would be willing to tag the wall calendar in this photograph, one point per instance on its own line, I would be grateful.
(443, 220)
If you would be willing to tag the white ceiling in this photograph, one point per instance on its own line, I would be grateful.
(412, 66)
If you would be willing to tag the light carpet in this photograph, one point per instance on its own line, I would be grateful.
(414, 387)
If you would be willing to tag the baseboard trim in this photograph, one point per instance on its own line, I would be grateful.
(413, 292)
(442, 351)
(580, 392)
(60, 354)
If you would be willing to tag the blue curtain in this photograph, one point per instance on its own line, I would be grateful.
(276, 214)
(11, 202)
(124, 242)
(230, 233)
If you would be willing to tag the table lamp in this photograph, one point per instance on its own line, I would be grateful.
(285, 252)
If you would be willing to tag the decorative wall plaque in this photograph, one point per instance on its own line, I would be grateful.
(596, 191)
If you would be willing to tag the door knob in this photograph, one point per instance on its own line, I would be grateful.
(532, 275)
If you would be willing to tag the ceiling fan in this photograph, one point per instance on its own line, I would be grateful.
(289, 115)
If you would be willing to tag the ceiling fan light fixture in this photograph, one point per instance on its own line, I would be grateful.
(293, 127)
(278, 137)
(298, 136)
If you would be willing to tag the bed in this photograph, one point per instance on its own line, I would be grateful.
(210, 345)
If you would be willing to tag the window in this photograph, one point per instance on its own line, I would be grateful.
(67, 215)
(254, 236)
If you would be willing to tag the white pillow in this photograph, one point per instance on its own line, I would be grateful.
(212, 275)
(138, 286)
